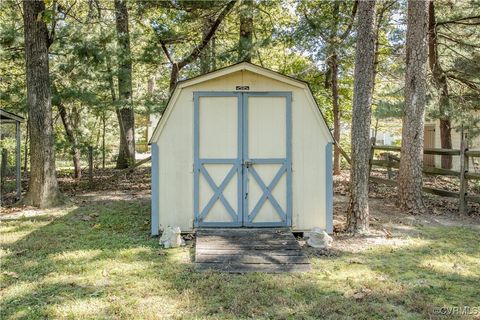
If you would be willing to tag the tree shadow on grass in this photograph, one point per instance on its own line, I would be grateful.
(382, 283)
(103, 251)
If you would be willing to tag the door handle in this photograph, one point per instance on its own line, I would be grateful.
(247, 163)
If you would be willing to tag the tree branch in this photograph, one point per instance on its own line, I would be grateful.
(460, 21)
(442, 35)
(198, 49)
(165, 50)
(312, 24)
(350, 24)
(471, 84)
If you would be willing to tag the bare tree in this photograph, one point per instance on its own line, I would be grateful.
(411, 158)
(358, 213)
(42, 187)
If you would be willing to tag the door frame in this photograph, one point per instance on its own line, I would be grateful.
(239, 163)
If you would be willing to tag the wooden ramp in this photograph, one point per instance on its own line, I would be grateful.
(249, 250)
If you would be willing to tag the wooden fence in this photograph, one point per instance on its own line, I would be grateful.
(391, 161)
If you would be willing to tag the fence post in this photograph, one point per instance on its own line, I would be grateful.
(90, 166)
(372, 153)
(463, 207)
(3, 170)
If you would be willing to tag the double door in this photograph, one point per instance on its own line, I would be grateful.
(242, 159)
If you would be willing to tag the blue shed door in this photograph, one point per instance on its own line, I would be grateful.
(242, 159)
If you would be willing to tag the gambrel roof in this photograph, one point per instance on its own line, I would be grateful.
(242, 66)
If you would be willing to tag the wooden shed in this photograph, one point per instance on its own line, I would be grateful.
(242, 146)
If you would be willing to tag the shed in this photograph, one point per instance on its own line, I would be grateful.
(242, 146)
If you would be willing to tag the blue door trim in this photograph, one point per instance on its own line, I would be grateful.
(241, 216)
(329, 187)
(155, 190)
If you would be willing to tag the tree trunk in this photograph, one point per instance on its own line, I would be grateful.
(245, 43)
(72, 139)
(332, 82)
(173, 77)
(411, 157)
(333, 65)
(358, 212)
(206, 55)
(445, 136)
(213, 52)
(441, 85)
(125, 114)
(43, 188)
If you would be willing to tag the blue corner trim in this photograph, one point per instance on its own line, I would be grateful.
(329, 187)
(155, 189)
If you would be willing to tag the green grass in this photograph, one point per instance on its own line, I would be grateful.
(98, 261)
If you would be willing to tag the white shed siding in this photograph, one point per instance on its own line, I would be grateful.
(309, 140)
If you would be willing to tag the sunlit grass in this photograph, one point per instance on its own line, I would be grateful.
(98, 261)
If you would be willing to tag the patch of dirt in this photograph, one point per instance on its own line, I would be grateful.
(108, 185)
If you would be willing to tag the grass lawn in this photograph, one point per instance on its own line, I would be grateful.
(96, 260)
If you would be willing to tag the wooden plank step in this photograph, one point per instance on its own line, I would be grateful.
(243, 233)
(226, 251)
(222, 242)
(246, 268)
(251, 259)
(237, 237)
(241, 246)
(249, 250)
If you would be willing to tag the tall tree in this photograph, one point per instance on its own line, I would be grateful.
(335, 42)
(358, 212)
(245, 42)
(441, 85)
(332, 21)
(125, 114)
(411, 157)
(42, 188)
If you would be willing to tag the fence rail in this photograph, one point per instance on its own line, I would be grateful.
(393, 161)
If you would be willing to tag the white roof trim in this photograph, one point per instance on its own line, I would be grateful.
(232, 69)
(240, 67)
